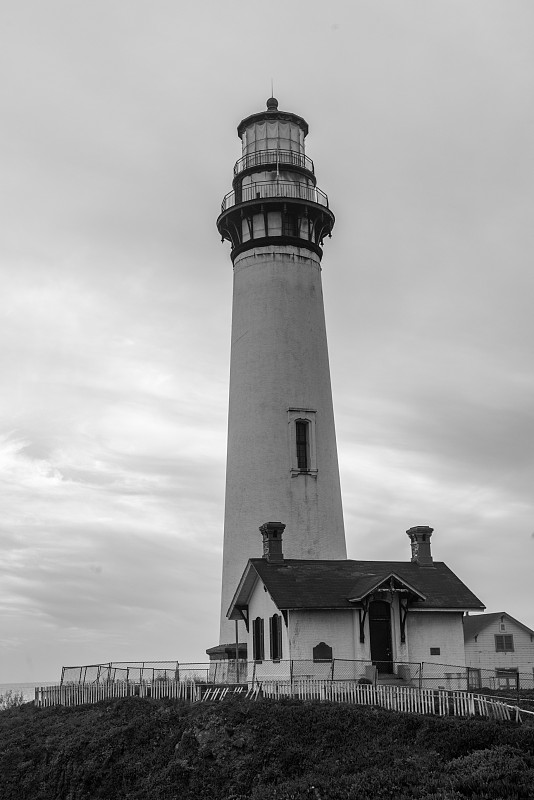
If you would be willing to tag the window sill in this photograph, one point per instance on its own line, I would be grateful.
(311, 472)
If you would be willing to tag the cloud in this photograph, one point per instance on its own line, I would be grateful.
(116, 299)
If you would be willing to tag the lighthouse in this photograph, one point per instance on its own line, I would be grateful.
(282, 455)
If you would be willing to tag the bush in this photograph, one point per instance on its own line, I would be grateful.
(11, 699)
(135, 749)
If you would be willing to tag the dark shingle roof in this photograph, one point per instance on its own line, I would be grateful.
(332, 584)
(473, 625)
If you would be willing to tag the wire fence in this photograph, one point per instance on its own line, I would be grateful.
(421, 675)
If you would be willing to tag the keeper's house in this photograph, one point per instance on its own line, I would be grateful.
(346, 618)
(497, 649)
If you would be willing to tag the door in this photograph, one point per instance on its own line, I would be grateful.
(380, 635)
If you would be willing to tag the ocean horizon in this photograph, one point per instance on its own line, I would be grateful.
(27, 688)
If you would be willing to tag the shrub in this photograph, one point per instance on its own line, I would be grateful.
(11, 699)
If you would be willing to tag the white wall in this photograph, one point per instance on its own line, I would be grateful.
(308, 628)
(426, 629)
(482, 654)
(279, 361)
(261, 605)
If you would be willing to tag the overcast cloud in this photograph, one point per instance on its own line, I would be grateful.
(118, 129)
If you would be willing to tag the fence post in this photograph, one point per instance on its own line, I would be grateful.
(332, 674)
(421, 665)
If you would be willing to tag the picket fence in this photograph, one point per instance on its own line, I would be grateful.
(396, 698)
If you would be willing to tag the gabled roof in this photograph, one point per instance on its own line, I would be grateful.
(299, 583)
(474, 625)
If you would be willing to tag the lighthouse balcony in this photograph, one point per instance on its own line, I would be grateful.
(263, 190)
(270, 158)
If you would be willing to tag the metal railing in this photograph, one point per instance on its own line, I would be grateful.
(265, 157)
(417, 674)
(135, 672)
(268, 189)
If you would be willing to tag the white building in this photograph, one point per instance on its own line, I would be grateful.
(498, 649)
(346, 618)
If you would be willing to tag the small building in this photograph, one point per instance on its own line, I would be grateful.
(498, 650)
(348, 619)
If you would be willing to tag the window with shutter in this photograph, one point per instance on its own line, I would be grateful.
(258, 647)
(275, 635)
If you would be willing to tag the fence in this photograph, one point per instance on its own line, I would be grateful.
(75, 694)
(422, 675)
(395, 698)
(136, 672)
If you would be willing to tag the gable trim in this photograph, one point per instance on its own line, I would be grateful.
(391, 577)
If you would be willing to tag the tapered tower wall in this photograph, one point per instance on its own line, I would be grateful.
(282, 454)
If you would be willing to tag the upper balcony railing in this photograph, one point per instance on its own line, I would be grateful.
(282, 157)
(270, 189)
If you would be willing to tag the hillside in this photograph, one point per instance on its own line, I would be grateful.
(146, 750)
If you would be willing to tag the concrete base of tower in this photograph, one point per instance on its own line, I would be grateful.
(228, 663)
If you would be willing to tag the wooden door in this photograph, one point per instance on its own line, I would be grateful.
(380, 635)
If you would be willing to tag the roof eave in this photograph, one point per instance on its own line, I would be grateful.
(459, 609)
(242, 594)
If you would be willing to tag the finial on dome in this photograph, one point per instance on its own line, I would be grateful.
(272, 104)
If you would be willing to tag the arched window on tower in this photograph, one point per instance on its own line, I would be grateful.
(302, 450)
(275, 636)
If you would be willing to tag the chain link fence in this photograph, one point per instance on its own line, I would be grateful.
(424, 675)
(446, 676)
(136, 672)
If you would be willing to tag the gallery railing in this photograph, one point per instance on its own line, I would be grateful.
(283, 158)
(262, 190)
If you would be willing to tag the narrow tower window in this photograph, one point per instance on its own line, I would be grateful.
(302, 452)
(275, 635)
(302, 439)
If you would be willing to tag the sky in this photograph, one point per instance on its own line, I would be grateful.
(118, 139)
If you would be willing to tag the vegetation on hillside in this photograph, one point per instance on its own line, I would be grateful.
(11, 699)
(137, 749)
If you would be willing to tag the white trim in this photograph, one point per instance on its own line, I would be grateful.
(437, 610)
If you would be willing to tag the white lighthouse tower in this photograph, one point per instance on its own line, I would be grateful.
(282, 455)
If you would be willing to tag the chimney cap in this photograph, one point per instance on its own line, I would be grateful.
(421, 530)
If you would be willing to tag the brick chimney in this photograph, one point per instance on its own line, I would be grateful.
(420, 539)
(272, 541)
